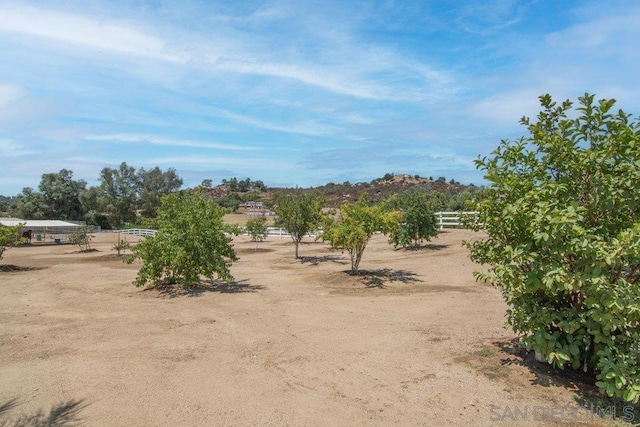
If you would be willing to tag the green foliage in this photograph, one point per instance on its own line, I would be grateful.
(58, 198)
(562, 214)
(122, 245)
(417, 222)
(9, 237)
(190, 242)
(118, 194)
(29, 204)
(298, 213)
(60, 193)
(257, 228)
(231, 202)
(82, 238)
(354, 227)
(5, 202)
(463, 200)
(244, 185)
(152, 184)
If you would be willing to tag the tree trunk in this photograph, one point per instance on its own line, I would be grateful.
(296, 245)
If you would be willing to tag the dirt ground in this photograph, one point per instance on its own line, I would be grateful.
(414, 340)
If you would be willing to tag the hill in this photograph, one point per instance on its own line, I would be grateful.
(336, 194)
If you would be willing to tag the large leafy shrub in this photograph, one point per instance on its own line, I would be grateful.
(562, 214)
(191, 242)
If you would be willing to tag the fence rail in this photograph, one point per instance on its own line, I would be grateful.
(452, 219)
(445, 220)
(137, 232)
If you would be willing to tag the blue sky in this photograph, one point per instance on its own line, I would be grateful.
(294, 92)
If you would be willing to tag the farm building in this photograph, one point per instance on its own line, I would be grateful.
(43, 231)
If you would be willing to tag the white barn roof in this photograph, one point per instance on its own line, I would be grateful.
(54, 223)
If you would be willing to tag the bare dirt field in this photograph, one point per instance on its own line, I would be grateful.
(414, 340)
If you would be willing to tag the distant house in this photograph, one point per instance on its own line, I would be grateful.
(252, 205)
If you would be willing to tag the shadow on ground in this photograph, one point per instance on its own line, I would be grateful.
(586, 394)
(316, 260)
(175, 290)
(427, 247)
(378, 278)
(62, 414)
(9, 268)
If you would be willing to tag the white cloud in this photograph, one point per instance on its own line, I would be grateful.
(10, 148)
(86, 31)
(508, 107)
(347, 68)
(157, 140)
(8, 94)
(312, 128)
(211, 162)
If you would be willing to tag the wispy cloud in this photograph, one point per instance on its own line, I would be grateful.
(302, 127)
(157, 140)
(292, 91)
(10, 148)
(8, 94)
(82, 30)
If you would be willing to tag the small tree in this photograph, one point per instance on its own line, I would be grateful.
(257, 228)
(9, 237)
(190, 242)
(298, 213)
(354, 227)
(417, 222)
(121, 245)
(562, 213)
(82, 238)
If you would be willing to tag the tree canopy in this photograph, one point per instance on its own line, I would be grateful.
(298, 213)
(191, 242)
(123, 194)
(9, 237)
(562, 213)
(352, 229)
(417, 221)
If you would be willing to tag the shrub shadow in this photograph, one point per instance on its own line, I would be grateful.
(426, 247)
(175, 290)
(8, 405)
(582, 384)
(377, 278)
(10, 268)
(62, 414)
(315, 260)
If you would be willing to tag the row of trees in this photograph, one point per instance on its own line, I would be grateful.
(407, 219)
(192, 241)
(123, 195)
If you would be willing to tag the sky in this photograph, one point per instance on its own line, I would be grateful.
(295, 92)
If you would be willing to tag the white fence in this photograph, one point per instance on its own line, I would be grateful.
(445, 220)
(452, 219)
(137, 232)
(281, 232)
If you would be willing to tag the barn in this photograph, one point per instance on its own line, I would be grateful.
(43, 231)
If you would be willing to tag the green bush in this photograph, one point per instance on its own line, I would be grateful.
(562, 214)
(191, 241)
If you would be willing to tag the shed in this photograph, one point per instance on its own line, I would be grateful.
(43, 230)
